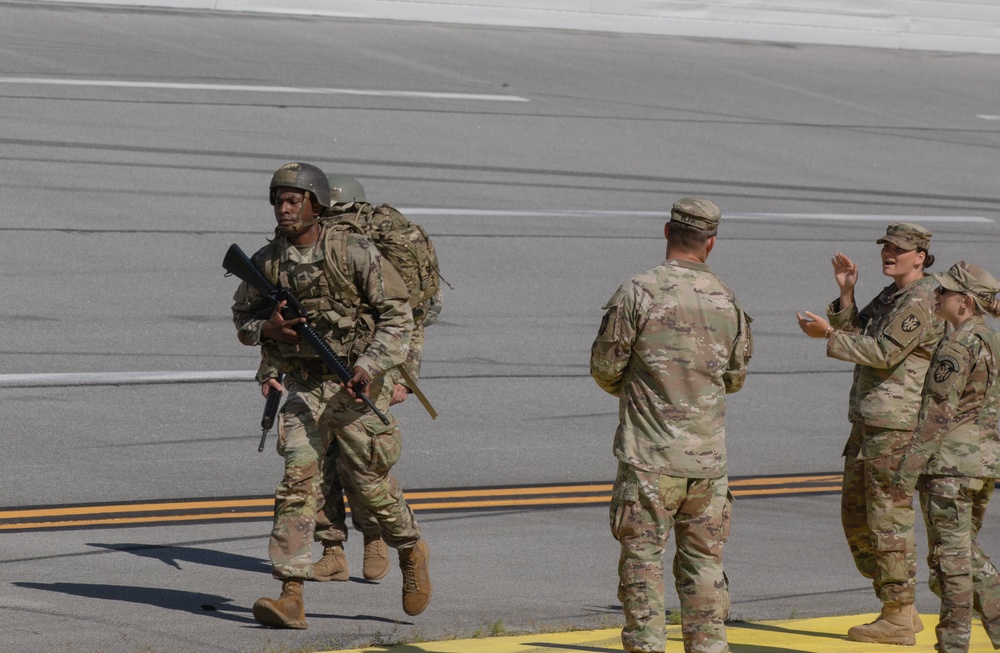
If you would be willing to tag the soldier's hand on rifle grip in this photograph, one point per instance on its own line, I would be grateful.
(359, 383)
(271, 383)
(278, 328)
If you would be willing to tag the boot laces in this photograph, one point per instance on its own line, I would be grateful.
(409, 570)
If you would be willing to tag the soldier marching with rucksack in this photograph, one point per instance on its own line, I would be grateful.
(410, 251)
(356, 306)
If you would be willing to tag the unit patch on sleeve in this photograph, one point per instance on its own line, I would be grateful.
(946, 366)
(910, 323)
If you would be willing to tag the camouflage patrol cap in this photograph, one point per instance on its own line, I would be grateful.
(970, 279)
(906, 235)
(697, 212)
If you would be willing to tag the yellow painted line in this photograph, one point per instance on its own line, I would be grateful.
(508, 491)
(780, 490)
(821, 635)
(778, 480)
(125, 521)
(134, 507)
(426, 500)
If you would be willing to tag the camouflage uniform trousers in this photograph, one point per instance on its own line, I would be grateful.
(645, 507)
(961, 575)
(331, 515)
(317, 414)
(879, 532)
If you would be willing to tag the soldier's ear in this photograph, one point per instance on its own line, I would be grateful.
(666, 230)
(709, 244)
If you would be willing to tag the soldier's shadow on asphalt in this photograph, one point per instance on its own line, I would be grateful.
(194, 602)
(173, 555)
(212, 605)
(209, 605)
(580, 648)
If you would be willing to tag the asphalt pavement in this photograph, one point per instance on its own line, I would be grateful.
(137, 146)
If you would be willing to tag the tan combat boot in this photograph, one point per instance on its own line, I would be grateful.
(413, 562)
(896, 625)
(376, 564)
(333, 564)
(287, 612)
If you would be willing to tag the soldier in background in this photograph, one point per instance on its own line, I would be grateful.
(954, 457)
(890, 341)
(360, 308)
(349, 206)
(672, 343)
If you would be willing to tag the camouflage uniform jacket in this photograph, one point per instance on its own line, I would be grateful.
(357, 303)
(890, 342)
(957, 429)
(673, 341)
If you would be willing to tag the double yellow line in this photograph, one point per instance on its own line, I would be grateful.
(202, 510)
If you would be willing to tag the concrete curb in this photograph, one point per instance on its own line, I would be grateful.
(971, 26)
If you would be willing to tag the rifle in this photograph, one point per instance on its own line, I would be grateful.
(237, 263)
(270, 412)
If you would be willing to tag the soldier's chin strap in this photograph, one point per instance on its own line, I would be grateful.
(303, 220)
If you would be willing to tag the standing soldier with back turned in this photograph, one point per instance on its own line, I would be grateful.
(673, 342)
(360, 308)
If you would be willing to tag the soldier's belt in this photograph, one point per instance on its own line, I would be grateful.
(316, 370)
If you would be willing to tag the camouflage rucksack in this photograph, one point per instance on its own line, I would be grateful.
(405, 245)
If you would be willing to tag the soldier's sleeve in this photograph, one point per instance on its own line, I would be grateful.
(383, 290)
(946, 380)
(246, 303)
(271, 363)
(843, 319)
(414, 354)
(612, 349)
(905, 329)
(739, 359)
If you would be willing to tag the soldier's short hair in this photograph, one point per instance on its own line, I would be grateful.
(687, 236)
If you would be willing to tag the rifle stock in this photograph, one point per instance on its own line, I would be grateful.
(237, 263)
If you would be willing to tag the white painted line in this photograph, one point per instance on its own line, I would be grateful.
(262, 89)
(119, 378)
(759, 217)
(986, 117)
(848, 217)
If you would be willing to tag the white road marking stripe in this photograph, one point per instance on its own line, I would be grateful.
(262, 89)
(119, 378)
(987, 117)
(760, 217)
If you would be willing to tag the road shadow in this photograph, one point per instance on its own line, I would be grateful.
(581, 648)
(793, 631)
(172, 555)
(209, 605)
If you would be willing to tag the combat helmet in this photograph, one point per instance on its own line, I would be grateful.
(345, 189)
(302, 176)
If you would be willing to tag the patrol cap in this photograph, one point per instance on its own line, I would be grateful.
(906, 235)
(970, 279)
(697, 212)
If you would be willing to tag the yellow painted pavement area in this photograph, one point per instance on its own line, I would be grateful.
(823, 635)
